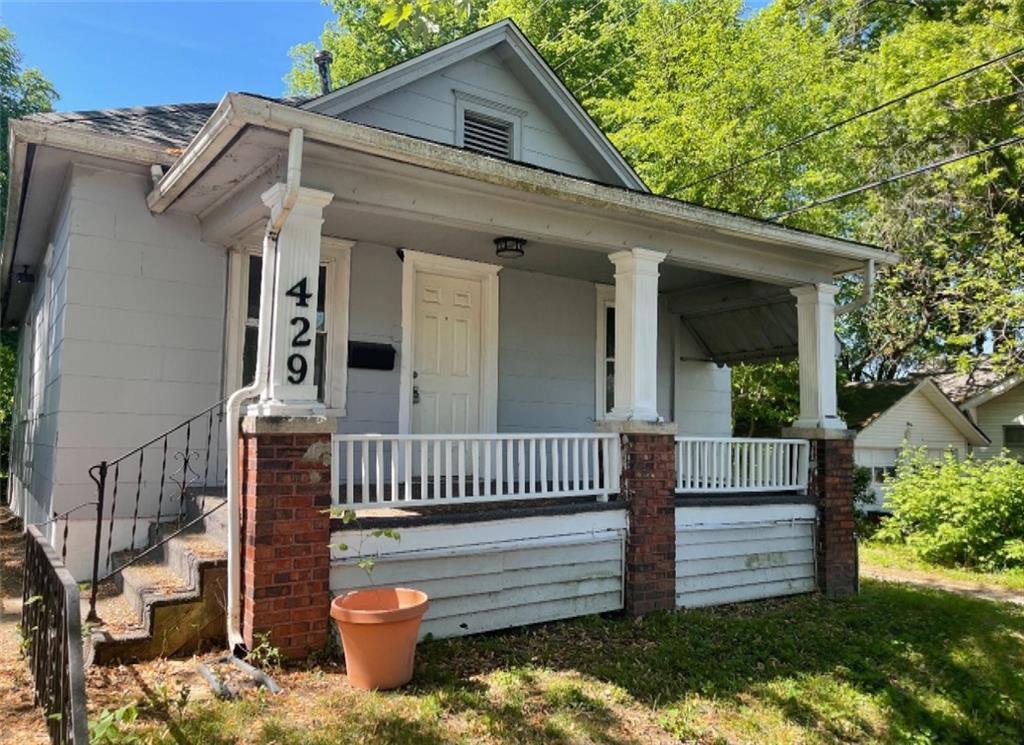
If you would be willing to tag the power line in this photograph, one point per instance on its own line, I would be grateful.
(848, 120)
(898, 177)
(595, 40)
(565, 29)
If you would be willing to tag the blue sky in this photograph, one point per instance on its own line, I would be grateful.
(135, 52)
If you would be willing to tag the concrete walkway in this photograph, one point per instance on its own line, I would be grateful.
(935, 582)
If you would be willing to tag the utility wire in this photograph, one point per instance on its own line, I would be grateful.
(848, 120)
(898, 177)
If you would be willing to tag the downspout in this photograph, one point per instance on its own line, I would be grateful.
(234, 404)
(865, 297)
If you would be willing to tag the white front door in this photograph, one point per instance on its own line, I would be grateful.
(446, 364)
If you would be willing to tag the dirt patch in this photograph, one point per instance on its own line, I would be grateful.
(935, 582)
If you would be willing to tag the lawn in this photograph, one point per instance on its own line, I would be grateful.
(895, 664)
(898, 557)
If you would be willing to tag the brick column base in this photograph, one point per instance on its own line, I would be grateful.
(647, 486)
(832, 483)
(286, 487)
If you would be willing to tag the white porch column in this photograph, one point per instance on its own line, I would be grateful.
(636, 334)
(815, 309)
(292, 388)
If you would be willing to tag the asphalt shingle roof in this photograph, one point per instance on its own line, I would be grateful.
(862, 403)
(171, 126)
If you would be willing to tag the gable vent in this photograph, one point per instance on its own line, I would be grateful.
(487, 135)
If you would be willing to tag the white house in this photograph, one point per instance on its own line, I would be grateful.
(890, 415)
(489, 265)
(994, 402)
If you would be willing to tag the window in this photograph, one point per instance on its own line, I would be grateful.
(488, 127)
(1013, 439)
(881, 473)
(330, 367)
(605, 362)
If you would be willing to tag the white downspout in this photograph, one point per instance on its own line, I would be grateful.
(865, 297)
(234, 404)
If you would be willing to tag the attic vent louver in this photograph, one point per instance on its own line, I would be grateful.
(487, 135)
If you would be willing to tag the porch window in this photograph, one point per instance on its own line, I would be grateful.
(605, 361)
(330, 366)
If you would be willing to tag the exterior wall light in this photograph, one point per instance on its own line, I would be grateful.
(508, 247)
(24, 277)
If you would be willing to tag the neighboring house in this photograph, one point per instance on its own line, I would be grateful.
(489, 265)
(994, 402)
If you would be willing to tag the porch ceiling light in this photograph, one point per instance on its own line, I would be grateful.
(509, 247)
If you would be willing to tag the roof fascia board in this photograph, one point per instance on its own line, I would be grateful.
(237, 111)
(1000, 388)
(25, 133)
(953, 414)
(391, 79)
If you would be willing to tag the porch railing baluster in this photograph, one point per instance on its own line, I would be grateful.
(740, 464)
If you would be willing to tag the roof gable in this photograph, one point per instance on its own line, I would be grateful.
(422, 95)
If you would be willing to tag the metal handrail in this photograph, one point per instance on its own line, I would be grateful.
(188, 477)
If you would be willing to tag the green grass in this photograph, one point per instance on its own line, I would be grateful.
(894, 556)
(896, 664)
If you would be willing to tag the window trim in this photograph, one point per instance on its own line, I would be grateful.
(336, 254)
(605, 298)
(493, 110)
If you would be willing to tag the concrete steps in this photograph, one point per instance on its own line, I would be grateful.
(170, 602)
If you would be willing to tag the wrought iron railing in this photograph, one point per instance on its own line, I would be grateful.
(51, 622)
(158, 477)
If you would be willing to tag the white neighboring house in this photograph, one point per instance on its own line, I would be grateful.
(479, 238)
(995, 403)
(916, 412)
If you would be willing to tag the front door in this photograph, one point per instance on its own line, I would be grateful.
(446, 366)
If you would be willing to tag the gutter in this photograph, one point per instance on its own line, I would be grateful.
(237, 111)
(865, 297)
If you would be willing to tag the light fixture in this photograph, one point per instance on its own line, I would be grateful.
(509, 247)
(24, 277)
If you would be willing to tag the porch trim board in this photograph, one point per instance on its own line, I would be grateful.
(414, 262)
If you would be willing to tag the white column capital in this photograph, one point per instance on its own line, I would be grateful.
(308, 202)
(637, 259)
(816, 293)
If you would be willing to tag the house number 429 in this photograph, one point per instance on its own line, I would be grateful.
(298, 365)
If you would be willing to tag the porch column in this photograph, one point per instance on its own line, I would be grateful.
(815, 308)
(636, 334)
(292, 388)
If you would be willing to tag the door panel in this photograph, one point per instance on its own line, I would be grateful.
(447, 355)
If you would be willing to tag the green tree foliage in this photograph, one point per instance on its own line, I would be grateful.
(765, 398)
(22, 91)
(688, 88)
(964, 513)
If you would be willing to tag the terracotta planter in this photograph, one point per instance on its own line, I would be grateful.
(378, 632)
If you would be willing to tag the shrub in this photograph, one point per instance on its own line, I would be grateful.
(950, 512)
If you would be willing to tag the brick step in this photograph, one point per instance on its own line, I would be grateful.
(170, 602)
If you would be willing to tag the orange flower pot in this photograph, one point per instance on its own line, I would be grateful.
(378, 633)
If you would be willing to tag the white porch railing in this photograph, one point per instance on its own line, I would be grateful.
(371, 471)
(741, 464)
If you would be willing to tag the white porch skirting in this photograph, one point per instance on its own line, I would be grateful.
(496, 574)
(731, 554)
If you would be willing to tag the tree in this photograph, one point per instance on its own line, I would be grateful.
(688, 89)
(22, 92)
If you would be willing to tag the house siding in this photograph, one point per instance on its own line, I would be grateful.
(426, 108)
(993, 415)
(912, 418)
(136, 322)
(38, 384)
(702, 391)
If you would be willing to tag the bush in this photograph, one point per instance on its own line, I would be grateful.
(958, 513)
